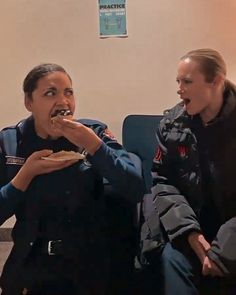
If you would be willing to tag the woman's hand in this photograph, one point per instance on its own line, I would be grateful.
(199, 245)
(78, 134)
(35, 165)
(210, 268)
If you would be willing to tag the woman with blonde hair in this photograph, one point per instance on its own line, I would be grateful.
(194, 187)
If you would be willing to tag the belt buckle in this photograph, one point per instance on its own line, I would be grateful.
(50, 246)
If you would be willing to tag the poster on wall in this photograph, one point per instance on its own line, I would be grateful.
(112, 18)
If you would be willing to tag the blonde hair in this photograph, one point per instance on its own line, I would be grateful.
(210, 61)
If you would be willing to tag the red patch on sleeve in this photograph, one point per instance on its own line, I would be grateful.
(183, 150)
(158, 155)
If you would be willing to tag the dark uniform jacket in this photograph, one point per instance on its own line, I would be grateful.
(67, 204)
(193, 172)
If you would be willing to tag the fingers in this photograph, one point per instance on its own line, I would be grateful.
(215, 270)
(63, 122)
(70, 123)
(209, 267)
(36, 165)
(206, 267)
(78, 134)
(196, 241)
(206, 246)
(48, 166)
(40, 154)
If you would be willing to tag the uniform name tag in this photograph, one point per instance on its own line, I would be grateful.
(12, 160)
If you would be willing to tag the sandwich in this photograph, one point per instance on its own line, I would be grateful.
(65, 113)
(65, 156)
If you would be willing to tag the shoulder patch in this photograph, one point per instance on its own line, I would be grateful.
(158, 155)
(183, 151)
(13, 160)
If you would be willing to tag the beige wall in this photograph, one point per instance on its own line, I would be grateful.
(112, 77)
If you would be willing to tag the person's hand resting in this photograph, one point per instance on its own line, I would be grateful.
(78, 134)
(200, 246)
(209, 267)
(35, 165)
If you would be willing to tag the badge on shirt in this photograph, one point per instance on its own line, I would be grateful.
(13, 160)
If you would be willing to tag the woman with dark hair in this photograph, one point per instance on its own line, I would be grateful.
(52, 169)
(194, 179)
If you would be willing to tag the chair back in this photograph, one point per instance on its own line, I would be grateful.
(139, 137)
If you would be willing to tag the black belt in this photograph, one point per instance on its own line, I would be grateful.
(53, 247)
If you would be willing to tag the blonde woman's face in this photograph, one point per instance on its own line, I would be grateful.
(196, 93)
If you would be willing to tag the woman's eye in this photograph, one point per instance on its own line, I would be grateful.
(177, 81)
(69, 93)
(49, 93)
(184, 81)
(187, 81)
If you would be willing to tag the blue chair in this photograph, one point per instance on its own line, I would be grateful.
(139, 138)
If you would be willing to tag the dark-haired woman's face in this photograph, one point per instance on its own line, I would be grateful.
(53, 92)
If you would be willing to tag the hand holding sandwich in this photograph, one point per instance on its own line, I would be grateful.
(78, 134)
(35, 165)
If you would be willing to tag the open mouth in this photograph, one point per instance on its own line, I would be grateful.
(186, 101)
(62, 112)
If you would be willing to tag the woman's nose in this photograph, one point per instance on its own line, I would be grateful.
(62, 99)
(180, 91)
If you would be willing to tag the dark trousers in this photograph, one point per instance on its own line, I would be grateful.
(58, 275)
(60, 286)
(181, 274)
(147, 281)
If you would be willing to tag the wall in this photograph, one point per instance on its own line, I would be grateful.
(112, 77)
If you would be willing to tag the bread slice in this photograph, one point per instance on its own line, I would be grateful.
(64, 156)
